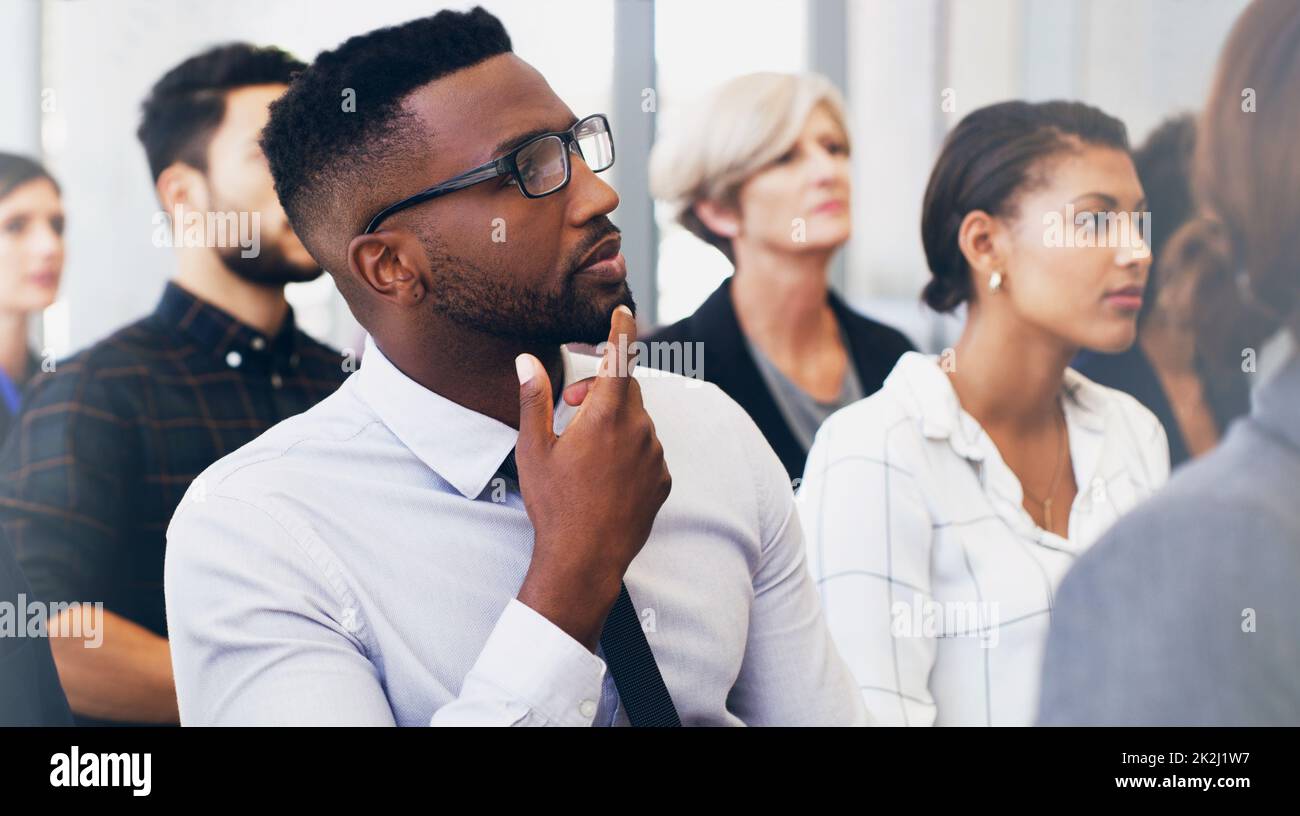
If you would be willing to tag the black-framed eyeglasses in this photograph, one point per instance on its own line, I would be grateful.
(539, 166)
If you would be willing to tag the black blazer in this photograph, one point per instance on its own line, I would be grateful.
(728, 364)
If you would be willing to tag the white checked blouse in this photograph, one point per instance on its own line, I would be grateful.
(937, 584)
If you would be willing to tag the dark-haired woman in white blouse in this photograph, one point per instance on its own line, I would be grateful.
(941, 513)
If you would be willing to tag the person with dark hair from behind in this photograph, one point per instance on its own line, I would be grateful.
(941, 512)
(422, 548)
(31, 263)
(108, 442)
(1164, 369)
(1186, 613)
(30, 693)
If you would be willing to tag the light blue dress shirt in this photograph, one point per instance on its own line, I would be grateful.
(358, 564)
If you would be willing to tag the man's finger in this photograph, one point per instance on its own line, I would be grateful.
(620, 353)
(536, 428)
(577, 392)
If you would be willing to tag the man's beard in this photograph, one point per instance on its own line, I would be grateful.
(269, 268)
(485, 300)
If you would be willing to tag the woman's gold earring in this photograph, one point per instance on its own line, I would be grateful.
(995, 282)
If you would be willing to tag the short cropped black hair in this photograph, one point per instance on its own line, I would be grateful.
(993, 155)
(322, 150)
(186, 106)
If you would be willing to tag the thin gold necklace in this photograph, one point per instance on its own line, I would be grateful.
(1046, 504)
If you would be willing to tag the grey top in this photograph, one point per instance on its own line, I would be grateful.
(1186, 612)
(802, 412)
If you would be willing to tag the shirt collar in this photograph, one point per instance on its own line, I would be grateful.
(225, 335)
(942, 417)
(1085, 402)
(465, 448)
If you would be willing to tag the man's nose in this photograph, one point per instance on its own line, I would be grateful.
(589, 195)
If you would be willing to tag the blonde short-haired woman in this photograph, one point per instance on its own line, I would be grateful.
(759, 168)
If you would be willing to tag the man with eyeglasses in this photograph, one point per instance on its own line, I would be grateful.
(443, 541)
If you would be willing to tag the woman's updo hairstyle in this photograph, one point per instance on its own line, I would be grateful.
(994, 154)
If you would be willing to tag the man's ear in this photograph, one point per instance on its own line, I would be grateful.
(182, 185)
(719, 218)
(391, 265)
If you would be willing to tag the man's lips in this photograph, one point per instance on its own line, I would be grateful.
(612, 269)
(606, 261)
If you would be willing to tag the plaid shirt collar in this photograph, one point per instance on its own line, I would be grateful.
(236, 343)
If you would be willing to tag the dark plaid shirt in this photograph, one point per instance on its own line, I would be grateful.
(107, 444)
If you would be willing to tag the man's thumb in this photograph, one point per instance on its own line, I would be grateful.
(535, 408)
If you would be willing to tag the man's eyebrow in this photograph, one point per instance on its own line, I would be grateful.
(506, 145)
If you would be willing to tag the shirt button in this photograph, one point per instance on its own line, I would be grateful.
(233, 359)
(276, 379)
(587, 708)
(293, 359)
(257, 343)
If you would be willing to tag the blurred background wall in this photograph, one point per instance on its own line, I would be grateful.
(73, 74)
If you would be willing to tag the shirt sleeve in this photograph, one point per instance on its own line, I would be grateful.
(64, 475)
(263, 634)
(869, 546)
(792, 673)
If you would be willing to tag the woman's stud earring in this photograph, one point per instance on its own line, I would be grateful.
(995, 282)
